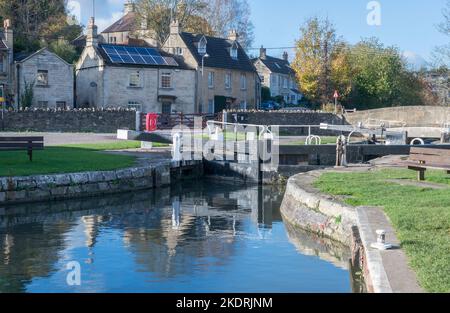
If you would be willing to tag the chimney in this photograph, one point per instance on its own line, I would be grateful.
(175, 27)
(9, 35)
(91, 34)
(285, 56)
(262, 53)
(233, 35)
(129, 7)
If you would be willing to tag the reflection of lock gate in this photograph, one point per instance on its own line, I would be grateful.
(151, 122)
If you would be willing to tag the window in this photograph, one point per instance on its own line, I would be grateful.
(211, 79)
(234, 51)
(61, 105)
(243, 105)
(42, 78)
(112, 39)
(2, 68)
(166, 80)
(166, 107)
(135, 105)
(262, 79)
(135, 80)
(243, 82)
(285, 82)
(179, 51)
(228, 81)
(211, 106)
(202, 46)
(42, 104)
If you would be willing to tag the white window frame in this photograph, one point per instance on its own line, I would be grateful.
(179, 51)
(134, 80)
(211, 79)
(243, 82)
(228, 79)
(42, 78)
(243, 105)
(135, 105)
(234, 51)
(202, 44)
(211, 106)
(166, 75)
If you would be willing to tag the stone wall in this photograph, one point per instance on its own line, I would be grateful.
(287, 118)
(412, 116)
(76, 185)
(92, 121)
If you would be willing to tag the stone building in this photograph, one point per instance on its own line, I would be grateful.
(140, 77)
(278, 75)
(6, 63)
(225, 76)
(51, 78)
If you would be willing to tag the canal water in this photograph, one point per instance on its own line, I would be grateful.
(202, 236)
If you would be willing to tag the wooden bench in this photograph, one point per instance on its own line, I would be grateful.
(422, 159)
(22, 143)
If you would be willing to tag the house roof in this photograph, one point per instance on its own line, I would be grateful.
(218, 50)
(24, 56)
(125, 24)
(276, 65)
(107, 60)
(3, 45)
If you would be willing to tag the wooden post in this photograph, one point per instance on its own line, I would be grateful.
(421, 175)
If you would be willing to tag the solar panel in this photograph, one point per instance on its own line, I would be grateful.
(137, 55)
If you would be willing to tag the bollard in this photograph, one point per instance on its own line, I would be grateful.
(176, 149)
(381, 241)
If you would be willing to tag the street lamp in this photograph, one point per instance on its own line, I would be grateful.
(206, 55)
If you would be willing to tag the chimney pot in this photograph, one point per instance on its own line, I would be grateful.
(233, 35)
(263, 53)
(285, 56)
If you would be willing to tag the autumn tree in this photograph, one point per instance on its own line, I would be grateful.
(381, 77)
(214, 17)
(38, 22)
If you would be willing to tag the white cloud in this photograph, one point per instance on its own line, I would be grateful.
(415, 61)
(103, 23)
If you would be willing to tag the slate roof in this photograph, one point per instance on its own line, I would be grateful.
(218, 50)
(3, 45)
(19, 57)
(275, 65)
(178, 59)
(124, 24)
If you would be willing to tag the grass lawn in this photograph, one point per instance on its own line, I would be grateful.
(67, 159)
(421, 216)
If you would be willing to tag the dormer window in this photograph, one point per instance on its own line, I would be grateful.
(202, 46)
(234, 51)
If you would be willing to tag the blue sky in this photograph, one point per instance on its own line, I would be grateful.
(408, 24)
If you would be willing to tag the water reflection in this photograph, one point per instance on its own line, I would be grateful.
(202, 237)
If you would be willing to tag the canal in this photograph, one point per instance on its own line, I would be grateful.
(200, 236)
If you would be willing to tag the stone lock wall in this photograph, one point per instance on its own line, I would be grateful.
(81, 120)
(78, 185)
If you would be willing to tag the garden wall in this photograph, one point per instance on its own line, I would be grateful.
(82, 120)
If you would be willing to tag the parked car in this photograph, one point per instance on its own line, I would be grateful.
(270, 106)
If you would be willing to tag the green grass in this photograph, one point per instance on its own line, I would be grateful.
(421, 216)
(67, 159)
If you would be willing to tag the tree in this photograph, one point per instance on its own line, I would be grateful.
(442, 53)
(26, 100)
(227, 15)
(381, 77)
(214, 18)
(37, 21)
(64, 50)
(313, 60)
